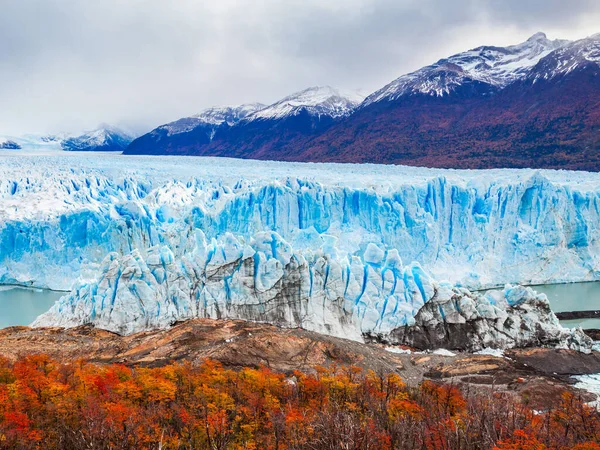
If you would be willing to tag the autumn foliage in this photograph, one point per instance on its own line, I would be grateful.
(48, 405)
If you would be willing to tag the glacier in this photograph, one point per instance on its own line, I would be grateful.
(371, 298)
(61, 215)
(146, 241)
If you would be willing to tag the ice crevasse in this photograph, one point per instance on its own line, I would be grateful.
(146, 241)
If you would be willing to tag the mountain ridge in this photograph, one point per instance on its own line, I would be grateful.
(533, 104)
(303, 113)
(105, 138)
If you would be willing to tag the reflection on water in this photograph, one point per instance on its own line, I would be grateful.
(19, 306)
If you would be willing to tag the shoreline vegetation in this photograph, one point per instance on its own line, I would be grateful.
(50, 405)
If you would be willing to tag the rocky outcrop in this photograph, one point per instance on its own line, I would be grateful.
(455, 318)
(234, 343)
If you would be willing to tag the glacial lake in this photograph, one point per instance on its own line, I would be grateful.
(574, 297)
(20, 306)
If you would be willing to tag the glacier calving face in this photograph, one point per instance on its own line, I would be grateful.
(265, 280)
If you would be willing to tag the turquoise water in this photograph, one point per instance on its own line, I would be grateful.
(574, 297)
(19, 306)
(586, 324)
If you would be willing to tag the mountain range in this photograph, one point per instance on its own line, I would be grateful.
(104, 138)
(253, 131)
(535, 104)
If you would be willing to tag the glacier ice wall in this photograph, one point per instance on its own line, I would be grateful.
(263, 279)
(60, 216)
(266, 280)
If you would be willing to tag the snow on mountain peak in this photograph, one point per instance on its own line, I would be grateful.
(567, 58)
(105, 138)
(33, 142)
(539, 36)
(8, 144)
(227, 114)
(493, 66)
(317, 100)
(214, 116)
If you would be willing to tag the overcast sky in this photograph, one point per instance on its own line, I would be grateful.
(68, 65)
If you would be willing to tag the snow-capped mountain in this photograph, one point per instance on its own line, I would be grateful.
(488, 68)
(316, 101)
(211, 117)
(105, 138)
(244, 129)
(32, 142)
(534, 104)
(199, 129)
(485, 107)
(571, 57)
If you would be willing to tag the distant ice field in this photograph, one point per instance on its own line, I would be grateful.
(44, 168)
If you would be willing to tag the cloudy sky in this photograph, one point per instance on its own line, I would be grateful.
(68, 65)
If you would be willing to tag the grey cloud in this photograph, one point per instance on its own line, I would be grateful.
(71, 64)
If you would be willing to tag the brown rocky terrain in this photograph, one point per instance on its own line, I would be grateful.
(234, 343)
(538, 375)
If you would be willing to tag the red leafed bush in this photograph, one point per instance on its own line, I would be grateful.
(48, 405)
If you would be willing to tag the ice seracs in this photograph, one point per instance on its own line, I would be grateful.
(341, 249)
(264, 279)
(473, 228)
